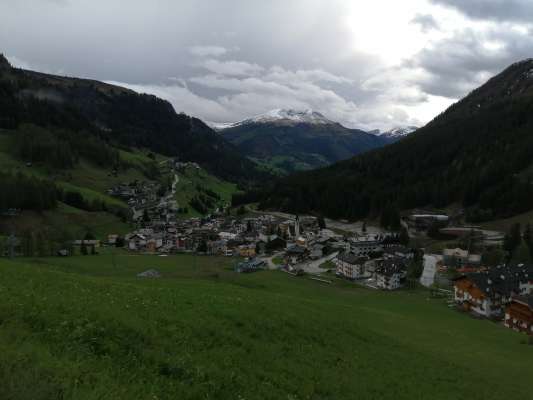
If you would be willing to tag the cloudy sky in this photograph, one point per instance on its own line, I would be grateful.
(368, 64)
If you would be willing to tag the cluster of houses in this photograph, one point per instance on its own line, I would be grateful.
(144, 203)
(504, 293)
(223, 236)
(376, 260)
(460, 258)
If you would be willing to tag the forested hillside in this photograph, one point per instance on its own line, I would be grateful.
(477, 153)
(94, 110)
(287, 146)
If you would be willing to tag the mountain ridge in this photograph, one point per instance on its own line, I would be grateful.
(120, 115)
(476, 153)
(289, 140)
(279, 115)
(397, 132)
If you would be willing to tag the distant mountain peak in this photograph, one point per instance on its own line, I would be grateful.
(397, 132)
(299, 116)
(281, 116)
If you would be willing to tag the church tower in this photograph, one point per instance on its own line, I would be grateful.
(297, 227)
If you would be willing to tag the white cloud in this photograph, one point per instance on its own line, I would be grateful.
(231, 67)
(208, 51)
(365, 64)
(182, 99)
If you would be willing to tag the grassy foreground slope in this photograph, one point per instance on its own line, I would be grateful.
(87, 328)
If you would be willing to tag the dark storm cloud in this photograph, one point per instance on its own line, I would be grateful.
(284, 45)
(455, 65)
(500, 10)
(140, 41)
(226, 60)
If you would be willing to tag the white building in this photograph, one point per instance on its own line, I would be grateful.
(460, 257)
(350, 266)
(389, 274)
(364, 246)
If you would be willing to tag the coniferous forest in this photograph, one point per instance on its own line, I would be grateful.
(96, 112)
(477, 154)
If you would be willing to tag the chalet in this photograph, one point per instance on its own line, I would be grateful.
(398, 251)
(122, 191)
(519, 314)
(250, 236)
(308, 224)
(247, 250)
(459, 257)
(364, 246)
(227, 235)
(389, 274)
(153, 244)
(350, 265)
(218, 247)
(296, 254)
(250, 266)
(317, 251)
(137, 241)
(488, 293)
(421, 222)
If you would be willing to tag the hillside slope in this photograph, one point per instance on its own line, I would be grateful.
(84, 184)
(116, 114)
(477, 153)
(73, 182)
(291, 140)
(86, 327)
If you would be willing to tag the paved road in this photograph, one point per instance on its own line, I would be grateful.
(430, 269)
(313, 267)
(269, 261)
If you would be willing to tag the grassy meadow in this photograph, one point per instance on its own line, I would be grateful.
(88, 328)
(187, 188)
(86, 178)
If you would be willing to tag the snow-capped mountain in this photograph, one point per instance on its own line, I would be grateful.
(280, 116)
(288, 140)
(396, 133)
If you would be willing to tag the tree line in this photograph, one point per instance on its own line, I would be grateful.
(26, 192)
(61, 148)
(478, 159)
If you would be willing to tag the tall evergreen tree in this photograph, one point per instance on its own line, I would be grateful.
(404, 237)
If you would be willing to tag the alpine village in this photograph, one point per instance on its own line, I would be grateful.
(147, 254)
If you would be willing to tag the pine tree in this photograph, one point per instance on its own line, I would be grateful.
(403, 238)
(321, 222)
(521, 255)
(527, 233)
(513, 239)
(83, 248)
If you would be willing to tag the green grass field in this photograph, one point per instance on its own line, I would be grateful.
(86, 178)
(66, 222)
(186, 188)
(504, 225)
(87, 328)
